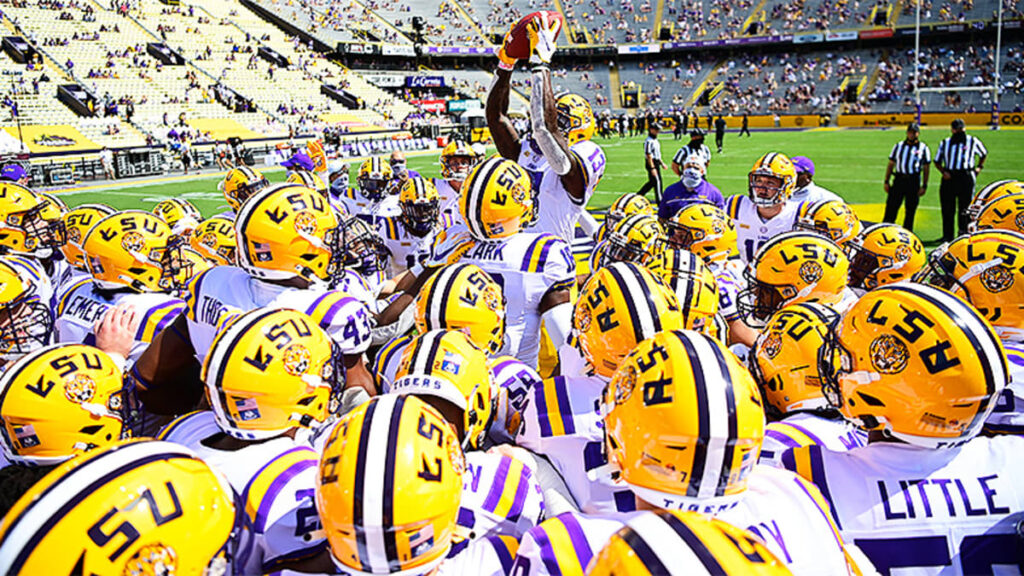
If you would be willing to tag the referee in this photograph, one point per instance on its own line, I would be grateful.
(909, 161)
(652, 162)
(959, 157)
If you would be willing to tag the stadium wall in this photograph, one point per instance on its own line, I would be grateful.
(927, 119)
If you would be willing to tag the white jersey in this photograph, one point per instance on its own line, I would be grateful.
(729, 278)
(407, 250)
(813, 193)
(449, 199)
(809, 429)
(500, 496)
(1008, 415)
(83, 304)
(222, 292)
(515, 383)
(527, 266)
(63, 277)
(386, 362)
(563, 422)
(32, 272)
(752, 231)
(276, 480)
(913, 511)
(558, 211)
(782, 509)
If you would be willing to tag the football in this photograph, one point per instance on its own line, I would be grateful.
(518, 45)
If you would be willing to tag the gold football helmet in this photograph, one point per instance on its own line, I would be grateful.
(784, 359)
(78, 222)
(137, 507)
(447, 365)
(497, 199)
(180, 265)
(883, 254)
(362, 248)
(463, 297)
(241, 183)
(916, 363)
(30, 224)
(1002, 213)
(398, 455)
(985, 269)
(791, 268)
(699, 405)
(668, 542)
(637, 239)
(421, 205)
(271, 371)
(704, 229)
(181, 216)
(26, 320)
(833, 219)
(989, 193)
(41, 426)
(457, 160)
(772, 179)
(694, 285)
(287, 231)
(620, 305)
(215, 240)
(308, 179)
(575, 118)
(624, 207)
(373, 179)
(127, 249)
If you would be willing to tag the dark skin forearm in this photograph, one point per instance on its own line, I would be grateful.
(575, 181)
(171, 375)
(506, 139)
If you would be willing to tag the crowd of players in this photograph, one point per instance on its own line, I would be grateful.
(412, 376)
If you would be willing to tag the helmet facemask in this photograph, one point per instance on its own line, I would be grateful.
(864, 266)
(25, 326)
(420, 217)
(177, 269)
(938, 271)
(361, 249)
(458, 167)
(766, 189)
(760, 300)
(373, 189)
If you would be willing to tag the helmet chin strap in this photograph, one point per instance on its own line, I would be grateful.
(980, 268)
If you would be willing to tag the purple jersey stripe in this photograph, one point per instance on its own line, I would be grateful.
(520, 500)
(498, 487)
(504, 554)
(578, 539)
(542, 412)
(245, 493)
(818, 477)
(799, 482)
(312, 307)
(782, 438)
(562, 394)
(259, 524)
(333, 311)
(544, 255)
(149, 314)
(547, 551)
(805, 431)
(530, 252)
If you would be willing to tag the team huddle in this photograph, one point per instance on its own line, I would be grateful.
(413, 376)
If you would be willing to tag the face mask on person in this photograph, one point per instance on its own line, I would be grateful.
(692, 178)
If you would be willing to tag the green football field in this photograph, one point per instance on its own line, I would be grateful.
(848, 162)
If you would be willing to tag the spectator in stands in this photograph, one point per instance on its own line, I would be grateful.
(806, 189)
(186, 155)
(12, 172)
(692, 188)
(107, 161)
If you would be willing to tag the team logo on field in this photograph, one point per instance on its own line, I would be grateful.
(772, 345)
(997, 278)
(80, 389)
(810, 272)
(296, 359)
(153, 559)
(305, 223)
(625, 384)
(133, 241)
(889, 355)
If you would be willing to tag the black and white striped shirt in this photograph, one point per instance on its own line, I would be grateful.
(960, 156)
(909, 158)
(652, 148)
(703, 151)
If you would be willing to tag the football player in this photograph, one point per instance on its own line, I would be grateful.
(364, 260)
(180, 215)
(619, 306)
(565, 164)
(138, 507)
(26, 319)
(288, 251)
(238, 185)
(696, 450)
(129, 266)
(78, 222)
(990, 192)
(1000, 214)
(706, 231)
(638, 239)
(984, 269)
(214, 238)
(765, 212)
(883, 254)
(623, 207)
(694, 285)
(32, 228)
(457, 160)
(833, 219)
(308, 179)
(388, 493)
(376, 198)
(792, 268)
(446, 370)
(271, 376)
(784, 362)
(409, 237)
(921, 370)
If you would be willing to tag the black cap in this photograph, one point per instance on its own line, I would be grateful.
(697, 132)
(913, 127)
(957, 124)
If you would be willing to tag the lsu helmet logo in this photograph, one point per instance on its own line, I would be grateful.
(810, 272)
(772, 345)
(133, 242)
(997, 278)
(80, 389)
(296, 359)
(305, 223)
(625, 385)
(889, 355)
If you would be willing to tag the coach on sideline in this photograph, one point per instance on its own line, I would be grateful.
(909, 161)
(955, 159)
